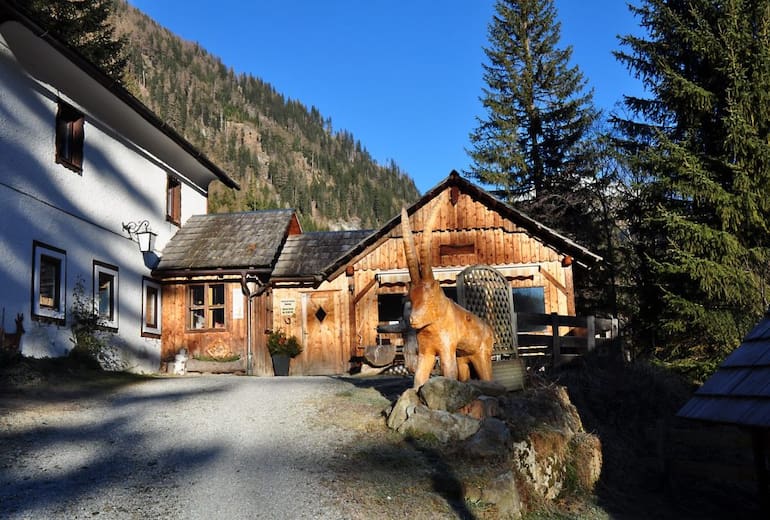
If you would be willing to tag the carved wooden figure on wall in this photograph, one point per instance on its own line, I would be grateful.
(458, 337)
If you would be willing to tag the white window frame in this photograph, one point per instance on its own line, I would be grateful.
(58, 311)
(101, 268)
(147, 329)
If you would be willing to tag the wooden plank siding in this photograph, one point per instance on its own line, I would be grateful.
(496, 241)
(326, 342)
(177, 335)
(233, 337)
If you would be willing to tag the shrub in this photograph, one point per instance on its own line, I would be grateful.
(278, 343)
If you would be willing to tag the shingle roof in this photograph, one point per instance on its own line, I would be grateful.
(309, 253)
(739, 391)
(227, 241)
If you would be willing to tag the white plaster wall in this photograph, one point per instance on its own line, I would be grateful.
(79, 213)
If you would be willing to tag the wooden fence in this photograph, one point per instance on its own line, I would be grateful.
(554, 339)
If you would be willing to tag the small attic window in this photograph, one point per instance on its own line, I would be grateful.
(69, 137)
(173, 200)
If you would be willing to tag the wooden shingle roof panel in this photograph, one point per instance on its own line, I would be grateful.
(750, 353)
(309, 253)
(760, 331)
(721, 383)
(739, 391)
(754, 382)
(232, 240)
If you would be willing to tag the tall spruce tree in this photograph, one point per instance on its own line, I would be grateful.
(701, 143)
(84, 25)
(534, 143)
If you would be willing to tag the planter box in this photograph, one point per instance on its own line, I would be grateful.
(216, 367)
(281, 365)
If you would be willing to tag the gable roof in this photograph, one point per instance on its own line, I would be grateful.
(92, 90)
(550, 237)
(227, 242)
(739, 391)
(307, 255)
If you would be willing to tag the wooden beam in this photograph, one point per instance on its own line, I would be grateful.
(556, 283)
(365, 290)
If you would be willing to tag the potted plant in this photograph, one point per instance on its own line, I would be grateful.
(282, 348)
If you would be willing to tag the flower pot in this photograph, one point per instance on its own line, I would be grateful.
(281, 365)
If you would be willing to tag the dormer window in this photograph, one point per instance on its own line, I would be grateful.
(69, 137)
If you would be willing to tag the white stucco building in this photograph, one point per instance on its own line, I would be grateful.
(79, 158)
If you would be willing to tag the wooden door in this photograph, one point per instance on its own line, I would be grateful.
(262, 320)
(322, 322)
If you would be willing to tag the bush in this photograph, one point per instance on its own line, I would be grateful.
(90, 339)
(278, 343)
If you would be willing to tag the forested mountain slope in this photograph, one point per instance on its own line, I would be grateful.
(282, 153)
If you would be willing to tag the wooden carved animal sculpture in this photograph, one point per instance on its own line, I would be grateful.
(444, 329)
(12, 341)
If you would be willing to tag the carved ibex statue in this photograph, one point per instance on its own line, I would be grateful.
(444, 329)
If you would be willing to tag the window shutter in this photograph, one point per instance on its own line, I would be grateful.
(78, 139)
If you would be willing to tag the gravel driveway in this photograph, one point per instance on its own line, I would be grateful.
(194, 447)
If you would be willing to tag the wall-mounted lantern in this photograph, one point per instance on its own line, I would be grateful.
(140, 232)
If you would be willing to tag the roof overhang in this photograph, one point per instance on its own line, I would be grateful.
(72, 76)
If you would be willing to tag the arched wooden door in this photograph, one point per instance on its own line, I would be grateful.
(322, 322)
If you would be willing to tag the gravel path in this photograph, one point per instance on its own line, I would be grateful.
(194, 448)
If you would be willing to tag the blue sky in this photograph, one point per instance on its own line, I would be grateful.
(404, 77)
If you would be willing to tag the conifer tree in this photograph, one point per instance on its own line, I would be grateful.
(532, 143)
(85, 25)
(701, 143)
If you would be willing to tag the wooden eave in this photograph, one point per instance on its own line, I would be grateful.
(125, 117)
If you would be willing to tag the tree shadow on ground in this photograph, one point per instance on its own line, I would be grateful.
(51, 459)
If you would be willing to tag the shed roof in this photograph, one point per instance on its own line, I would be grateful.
(249, 240)
(309, 253)
(739, 391)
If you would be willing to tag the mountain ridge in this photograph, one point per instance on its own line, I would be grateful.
(282, 153)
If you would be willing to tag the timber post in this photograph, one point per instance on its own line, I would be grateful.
(555, 343)
(590, 333)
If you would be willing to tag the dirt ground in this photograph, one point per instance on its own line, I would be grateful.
(385, 475)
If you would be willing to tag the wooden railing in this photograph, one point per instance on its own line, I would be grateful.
(554, 339)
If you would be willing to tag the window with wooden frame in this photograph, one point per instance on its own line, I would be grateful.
(48, 282)
(151, 307)
(70, 137)
(106, 294)
(206, 306)
(173, 200)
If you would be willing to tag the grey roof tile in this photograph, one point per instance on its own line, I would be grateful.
(227, 240)
(309, 253)
(739, 391)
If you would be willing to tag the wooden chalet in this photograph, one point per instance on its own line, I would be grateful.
(363, 289)
(338, 292)
(215, 273)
